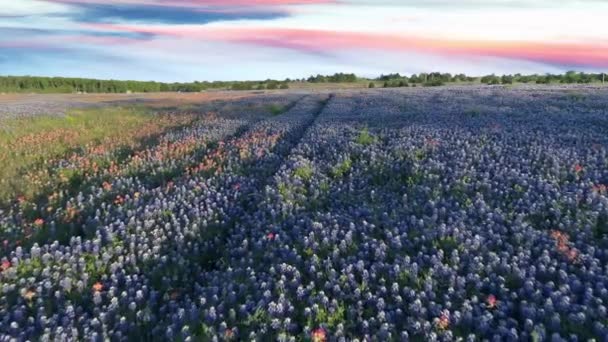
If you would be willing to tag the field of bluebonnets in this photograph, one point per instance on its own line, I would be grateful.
(388, 215)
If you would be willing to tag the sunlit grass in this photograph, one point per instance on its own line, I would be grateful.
(27, 144)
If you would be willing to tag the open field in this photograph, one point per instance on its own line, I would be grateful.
(395, 214)
(36, 104)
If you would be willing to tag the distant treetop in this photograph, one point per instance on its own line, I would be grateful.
(32, 84)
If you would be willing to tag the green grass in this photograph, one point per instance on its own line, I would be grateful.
(365, 138)
(329, 318)
(275, 109)
(342, 169)
(305, 172)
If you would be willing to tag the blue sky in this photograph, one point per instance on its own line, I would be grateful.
(185, 40)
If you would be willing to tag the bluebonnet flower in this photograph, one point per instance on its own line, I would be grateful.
(375, 215)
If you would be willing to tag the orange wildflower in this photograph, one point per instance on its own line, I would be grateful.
(29, 295)
(444, 321)
(229, 334)
(5, 265)
(107, 186)
(572, 255)
(319, 335)
(97, 287)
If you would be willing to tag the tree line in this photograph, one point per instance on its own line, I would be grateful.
(335, 78)
(425, 79)
(438, 79)
(32, 84)
(570, 77)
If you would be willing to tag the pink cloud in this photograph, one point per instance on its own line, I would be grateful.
(66, 41)
(592, 54)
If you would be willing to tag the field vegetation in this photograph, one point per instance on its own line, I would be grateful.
(30, 147)
(476, 213)
(49, 85)
(29, 84)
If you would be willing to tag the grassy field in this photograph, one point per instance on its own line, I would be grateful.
(29, 145)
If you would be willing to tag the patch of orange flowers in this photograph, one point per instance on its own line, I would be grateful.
(443, 322)
(319, 335)
(97, 287)
(107, 186)
(29, 295)
(5, 265)
(229, 334)
(562, 244)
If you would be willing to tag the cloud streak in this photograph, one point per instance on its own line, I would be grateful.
(198, 4)
(581, 54)
(248, 39)
(165, 14)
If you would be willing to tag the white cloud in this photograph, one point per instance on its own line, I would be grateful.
(30, 8)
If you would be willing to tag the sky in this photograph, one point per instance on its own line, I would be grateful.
(187, 40)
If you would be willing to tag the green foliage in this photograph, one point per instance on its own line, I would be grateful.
(272, 85)
(243, 86)
(433, 83)
(305, 172)
(275, 109)
(432, 79)
(32, 84)
(94, 270)
(335, 78)
(390, 77)
(395, 84)
(365, 138)
(74, 85)
(259, 317)
(342, 168)
(328, 318)
(506, 79)
(29, 269)
(405, 278)
(490, 79)
(569, 77)
(601, 227)
(447, 244)
(284, 190)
